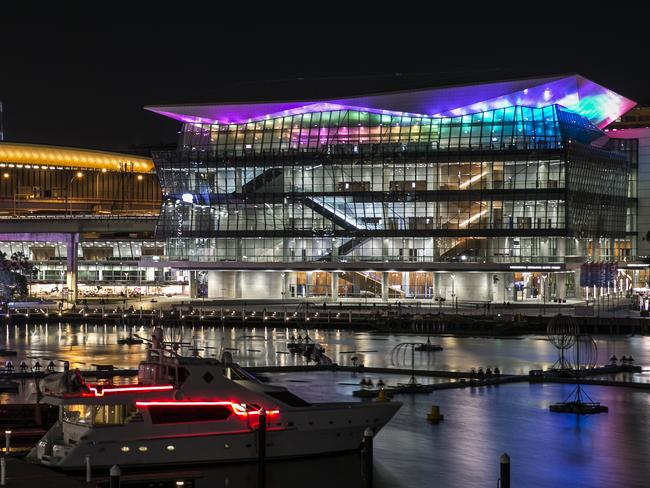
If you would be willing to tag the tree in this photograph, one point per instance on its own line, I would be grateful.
(14, 273)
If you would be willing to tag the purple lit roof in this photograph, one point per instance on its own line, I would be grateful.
(597, 103)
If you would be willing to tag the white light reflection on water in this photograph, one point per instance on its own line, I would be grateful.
(548, 450)
(98, 344)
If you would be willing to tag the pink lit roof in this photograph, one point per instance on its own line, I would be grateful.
(585, 97)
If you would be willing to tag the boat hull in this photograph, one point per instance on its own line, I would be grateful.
(339, 431)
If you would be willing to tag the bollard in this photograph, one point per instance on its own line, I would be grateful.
(261, 450)
(115, 476)
(367, 457)
(434, 415)
(7, 442)
(3, 471)
(88, 469)
(504, 480)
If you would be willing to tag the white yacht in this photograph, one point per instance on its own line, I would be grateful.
(188, 410)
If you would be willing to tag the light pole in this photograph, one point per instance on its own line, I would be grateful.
(126, 284)
(453, 292)
(78, 175)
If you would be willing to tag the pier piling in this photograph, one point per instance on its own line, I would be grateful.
(504, 479)
(261, 450)
(367, 457)
(7, 442)
(88, 470)
(115, 474)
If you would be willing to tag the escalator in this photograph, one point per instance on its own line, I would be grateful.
(330, 213)
(269, 181)
(346, 248)
(465, 247)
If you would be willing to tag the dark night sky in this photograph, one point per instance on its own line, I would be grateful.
(81, 77)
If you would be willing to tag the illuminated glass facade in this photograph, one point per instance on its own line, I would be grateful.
(516, 178)
(355, 185)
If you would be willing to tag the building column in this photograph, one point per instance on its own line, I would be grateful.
(72, 249)
(335, 286)
(385, 249)
(238, 283)
(560, 286)
(335, 249)
(385, 286)
(193, 284)
(150, 274)
(560, 249)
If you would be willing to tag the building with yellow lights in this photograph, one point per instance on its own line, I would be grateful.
(84, 217)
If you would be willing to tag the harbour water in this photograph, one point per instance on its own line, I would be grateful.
(547, 450)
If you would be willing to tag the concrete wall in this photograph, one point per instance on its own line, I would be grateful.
(467, 286)
(244, 284)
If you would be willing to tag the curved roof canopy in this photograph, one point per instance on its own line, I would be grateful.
(595, 102)
(16, 153)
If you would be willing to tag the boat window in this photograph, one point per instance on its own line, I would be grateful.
(288, 398)
(78, 414)
(97, 414)
(166, 414)
(113, 414)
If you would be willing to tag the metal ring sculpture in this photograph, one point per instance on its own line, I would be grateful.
(398, 356)
(562, 332)
(584, 354)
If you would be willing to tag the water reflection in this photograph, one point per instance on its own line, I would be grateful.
(258, 346)
(547, 449)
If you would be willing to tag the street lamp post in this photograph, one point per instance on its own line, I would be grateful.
(126, 284)
(68, 209)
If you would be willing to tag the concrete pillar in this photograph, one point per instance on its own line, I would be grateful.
(385, 286)
(150, 274)
(405, 282)
(335, 249)
(193, 284)
(560, 285)
(72, 248)
(335, 286)
(284, 286)
(560, 249)
(544, 249)
(239, 277)
(286, 250)
(385, 249)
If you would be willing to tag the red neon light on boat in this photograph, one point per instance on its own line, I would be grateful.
(98, 392)
(237, 408)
